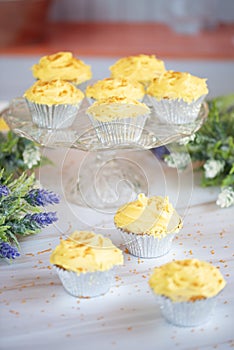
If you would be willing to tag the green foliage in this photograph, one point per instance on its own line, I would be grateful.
(18, 159)
(17, 154)
(13, 207)
(215, 141)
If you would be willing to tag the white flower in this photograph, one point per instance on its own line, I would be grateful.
(213, 168)
(187, 139)
(226, 197)
(178, 160)
(31, 155)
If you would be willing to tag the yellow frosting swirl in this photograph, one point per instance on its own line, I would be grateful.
(85, 251)
(54, 92)
(142, 68)
(62, 65)
(115, 87)
(187, 280)
(115, 107)
(177, 85)
(152, 216)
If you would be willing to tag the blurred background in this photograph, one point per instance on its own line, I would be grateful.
(205, 12)
(27, 21)
(189, 35)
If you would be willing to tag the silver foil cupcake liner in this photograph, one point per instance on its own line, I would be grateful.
(176, 111)
(121, 131)
(186, 314)
(53, 117)
(146, 246)
(86, 285)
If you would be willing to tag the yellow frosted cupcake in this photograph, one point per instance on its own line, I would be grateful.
(85, 263)
(186, 290)
(148, 225)
(118, 119)
(53, 104)
(177, 96)
(120, 87)
(64, 66)
(141, 68)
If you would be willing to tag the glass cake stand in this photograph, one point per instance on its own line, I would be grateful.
(104, 178)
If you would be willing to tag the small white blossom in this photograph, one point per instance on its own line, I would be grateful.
(213, 168)
(187, 139)
(178, 160)
(31, 155)
(226, 197)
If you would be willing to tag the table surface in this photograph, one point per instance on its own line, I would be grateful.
(36, 311)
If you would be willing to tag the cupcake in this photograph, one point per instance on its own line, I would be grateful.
(141, 68)
(64, 66)
(186, 290)
(118, 120)
(120, 87)
(53, 104)
(177, 96)
(85, 263)
(148, 225)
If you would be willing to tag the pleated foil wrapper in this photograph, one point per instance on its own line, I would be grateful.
(121, 131)
(176, 111)
(86, 285)
(53, 117)
(146, 246)
(187, 314)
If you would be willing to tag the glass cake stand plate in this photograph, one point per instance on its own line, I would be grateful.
(103, 180)
(82, 135)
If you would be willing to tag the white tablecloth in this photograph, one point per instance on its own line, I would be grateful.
(37, 313)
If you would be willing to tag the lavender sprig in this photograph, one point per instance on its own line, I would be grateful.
(7, 251)
(39, 220)
(41, 197)
(4, 191)
(20, 212)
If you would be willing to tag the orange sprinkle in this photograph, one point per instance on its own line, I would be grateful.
(44, 251)
(14, 312)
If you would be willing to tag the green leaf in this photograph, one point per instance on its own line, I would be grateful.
(228, 180)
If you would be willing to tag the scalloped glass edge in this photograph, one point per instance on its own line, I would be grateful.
(82, 135)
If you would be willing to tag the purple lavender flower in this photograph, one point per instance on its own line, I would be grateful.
(7, 251)
(40, 219)
(41, 197)
(4, 191)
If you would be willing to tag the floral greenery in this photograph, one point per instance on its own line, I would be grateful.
(20, 212)
(20, 200)
(17, 154)
(212, 147)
